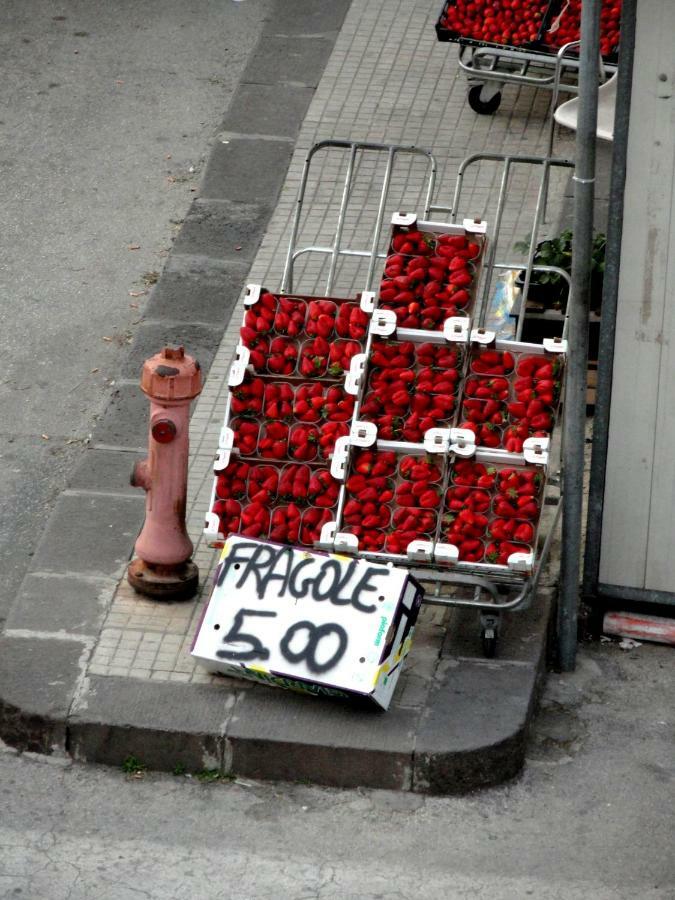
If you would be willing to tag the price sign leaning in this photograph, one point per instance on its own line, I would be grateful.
(316, 622)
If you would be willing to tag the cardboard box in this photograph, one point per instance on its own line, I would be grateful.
(318, 623)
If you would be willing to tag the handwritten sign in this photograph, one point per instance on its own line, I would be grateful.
(314, 622)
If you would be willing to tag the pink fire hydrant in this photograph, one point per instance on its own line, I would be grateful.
(163, 568)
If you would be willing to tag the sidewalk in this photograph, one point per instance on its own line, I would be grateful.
(89, 667)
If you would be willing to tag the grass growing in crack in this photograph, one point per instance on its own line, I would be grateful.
(149, 278)
(209, 776)
(134, 767)
(179, 769)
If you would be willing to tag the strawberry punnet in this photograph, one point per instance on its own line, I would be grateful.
(352, 322)
(498, 552)
(321, 319)
(329, 432)
(229, 513)
(303, 442)
(255, 520)
(283, 356)
(313, 520)
(340, 356)
(373, 462)
(246, 433)
(290, 316)
(370, 540)
(314, 357)
(294, 483)
(278, 400)
(259, 318)
(285, 525)
(263, 483)
(247, 397)
(232, 482)
(323, 489)
(273, 441)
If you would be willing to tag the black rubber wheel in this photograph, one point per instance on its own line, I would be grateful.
(483, 107)
(489, 646)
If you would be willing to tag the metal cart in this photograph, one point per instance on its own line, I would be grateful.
(489, 589)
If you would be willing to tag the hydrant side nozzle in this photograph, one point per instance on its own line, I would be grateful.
(140, 475)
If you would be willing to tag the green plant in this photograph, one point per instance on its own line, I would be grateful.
(179, 769)
(133, 766)
(557, 251)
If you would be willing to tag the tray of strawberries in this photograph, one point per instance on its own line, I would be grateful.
(517, 24)
(564, 25)
(431, 272)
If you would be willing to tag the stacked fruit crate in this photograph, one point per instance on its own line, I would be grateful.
(385, 425)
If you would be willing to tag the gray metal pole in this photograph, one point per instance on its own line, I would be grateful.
(575, 390)
(610, 292)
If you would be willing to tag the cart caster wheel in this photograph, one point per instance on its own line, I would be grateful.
(483, 107)
(489, 639)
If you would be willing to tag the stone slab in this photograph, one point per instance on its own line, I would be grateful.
(71, 604)
(246, 169)
(194, 289)
(306, 17)
(162, 725)
(125, 421)
(37, 680)
(230, 229)
(270, 109)
(200, 341)
(288, 737)
(105, 471)
(473, 731)
(90, 535)
(283, 58)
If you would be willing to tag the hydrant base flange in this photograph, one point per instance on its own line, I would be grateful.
(179, 582)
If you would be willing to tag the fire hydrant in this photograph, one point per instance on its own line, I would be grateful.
(163, 568)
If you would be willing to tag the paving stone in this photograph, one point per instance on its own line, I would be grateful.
(105, 471)
(37, 680)
(90, 535)
(195, 289)
(277, 735)
(246, 169)
(55, 603)
(287, 58)
(200, 341)
(270, 109)
(472, 733)
(125, 421)
(306, 16)
(217, 229)
(161, 724)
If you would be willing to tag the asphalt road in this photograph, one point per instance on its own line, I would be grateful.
(107, 112)
(591, 818)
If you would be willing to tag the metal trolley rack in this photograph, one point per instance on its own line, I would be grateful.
(489, 587)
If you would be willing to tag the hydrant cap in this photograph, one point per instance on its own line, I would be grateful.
(171, 375)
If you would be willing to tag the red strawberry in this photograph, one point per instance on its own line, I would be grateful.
(372, 462)
(283, 356)
(247, 397)
(285, 526)
(329, 432)
(352, 322)
(340, 356)
(313, 521)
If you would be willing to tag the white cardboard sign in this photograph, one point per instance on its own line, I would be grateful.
(316, 622)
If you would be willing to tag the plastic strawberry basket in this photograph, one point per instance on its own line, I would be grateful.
(445, 33)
